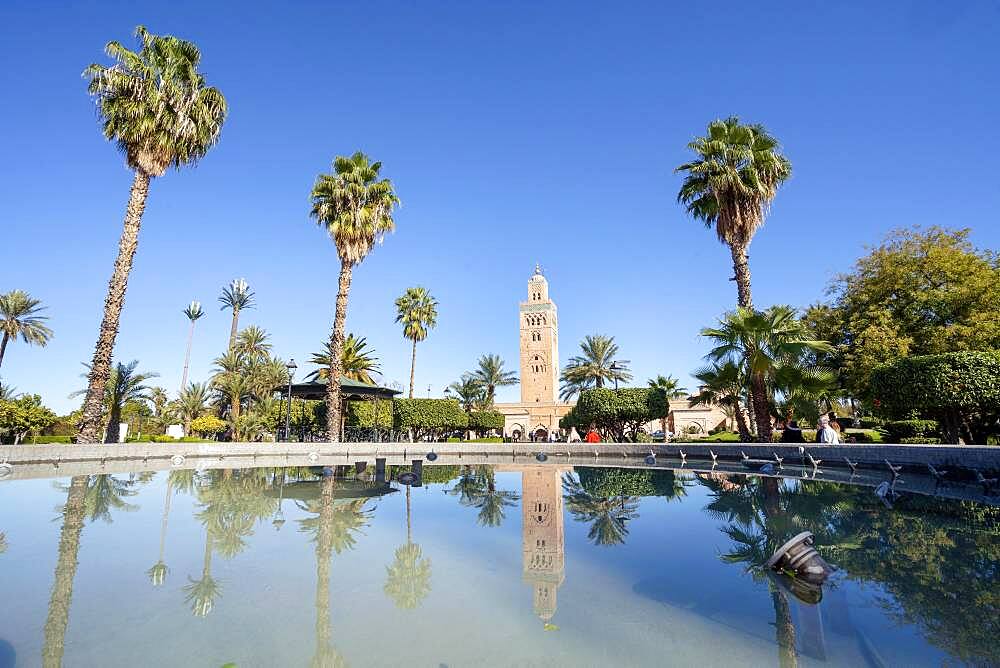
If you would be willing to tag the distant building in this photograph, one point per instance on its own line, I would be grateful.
(542, 536)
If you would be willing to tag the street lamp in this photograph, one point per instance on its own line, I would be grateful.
(618, 365)
(291, 366)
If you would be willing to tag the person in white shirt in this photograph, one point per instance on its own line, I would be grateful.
(826, 432)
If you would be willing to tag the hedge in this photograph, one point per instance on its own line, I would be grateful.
(485, 420)
(364, 414)
(920, 440)
(617, 413)
(900, 429)
(41, 440)
(423, 415)
(959, 390)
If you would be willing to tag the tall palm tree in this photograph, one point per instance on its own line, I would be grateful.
(417, 310)
(158, 573)
(355, 207)
(730, 185)
(253, 345)
(191, 403)
(358, 362)
(593, 368)
(492, 375)
(469, 391)
(236, 296)
(760, 343)
(193, 312)
(724, 384)
(156, 107)
(19, 317)
(408, 579)
(670, 388)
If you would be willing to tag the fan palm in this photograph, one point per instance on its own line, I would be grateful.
(236, 296)
(724, 384)
(759, 343)
(593, 367)
(355, 207)
(193, 312)
(491, 375)
(417, 310)
(730, 185)
(358, 362)
(19, 317)
(670, 388)
(155, 105)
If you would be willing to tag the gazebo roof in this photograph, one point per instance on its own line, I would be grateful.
(350, 389)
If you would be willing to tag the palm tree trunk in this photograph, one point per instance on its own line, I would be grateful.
(409, 523)
(741, 268)
(187, 358)
(333, 407)
(163, 525)
(741, 423)
(113, 431)
(233, 328)
(3, 346)
(100, 367)
(62, 587)
(324, 548)
(784, 629)
(761, 410)
(413, 366)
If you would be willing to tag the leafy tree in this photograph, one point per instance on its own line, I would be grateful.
(358, 362)
(484, 421)
(193, 313)
(730, 184)
(236, 296)
(155, 105)
(763, 344)
(422, 417)
(191, 404)
(125, 385)
(469, 391)
(20, 317)
(618, 414)
(923, 291)
(593, 368)
(207, 425)
(670, 388)
(24, 415)
(490, 375)
(355, 207)
(724, 384)
(416, 309)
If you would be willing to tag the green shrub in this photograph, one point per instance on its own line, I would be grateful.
(870, 422)
(428, 415)
(365, 414)
(920, 440)
(900, 429)
(862, 435)
(959, 390)
(720, 437)
(480, 421)
(41, 440)
(618, 413)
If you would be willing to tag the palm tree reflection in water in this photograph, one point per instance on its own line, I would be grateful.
(408, 579)
(477, 488)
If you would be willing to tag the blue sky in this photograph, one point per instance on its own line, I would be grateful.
(515, 133)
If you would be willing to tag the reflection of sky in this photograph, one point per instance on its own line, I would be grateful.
(663, 597)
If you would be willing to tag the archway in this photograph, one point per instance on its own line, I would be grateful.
(540, 434)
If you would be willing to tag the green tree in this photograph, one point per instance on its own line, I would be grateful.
(608, 517)
(125, 385)
(761, 344)
(193, 313)
(469, 392)
(490, 375)
(207, 425)
(191, 404)
(724, 384)
(20, 317)
(236, 296)
(923, 291)
(24, 415)
(730, 184)
(408, 578)
(358, 361)
(355, 207)
(670, 388)
(416, 309)
(593, 368)
(155, 105)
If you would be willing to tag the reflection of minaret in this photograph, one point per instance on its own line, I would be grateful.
(542, 535)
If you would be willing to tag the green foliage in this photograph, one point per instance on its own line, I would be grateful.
(923, 291)
(900, 429)
(617, 413)
(42, 440)
(428, 415)
(918, 440)
(480, 421)
(369, 414)
(208, 425)
(20, 317)
(489, 376)
(959, 390)
(595, 367)
(357, 361)
(720, 437)
(602, 482)
(870, 422)
(22, 416)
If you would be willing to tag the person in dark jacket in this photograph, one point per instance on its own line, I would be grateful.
(792, 433)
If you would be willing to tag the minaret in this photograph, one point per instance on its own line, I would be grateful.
(539, 343)
(542, 537)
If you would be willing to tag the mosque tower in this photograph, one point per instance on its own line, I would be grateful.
(539, 343)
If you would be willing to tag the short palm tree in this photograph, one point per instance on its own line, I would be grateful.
(761, 343)
(416, 309)
(125, 385)
(730, 184)
(192, 403)
(193, 312)
(8, 392)
(155, 105)
(19, 317)
(724, 384)
(355, 206)
(670, 388)
(594, 367)
(469, 392)
(492, 375)
(358, 361)
(236, 296)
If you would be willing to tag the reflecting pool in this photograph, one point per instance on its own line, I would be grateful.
(497, 566)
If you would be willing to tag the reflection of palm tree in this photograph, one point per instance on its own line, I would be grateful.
(158, 573)
(106, 493)
(73, 514)
(469, 487)
(608, 516)
(408, 579)
(491, 501)
(201, 594)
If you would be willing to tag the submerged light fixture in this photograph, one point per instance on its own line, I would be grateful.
(800, 559)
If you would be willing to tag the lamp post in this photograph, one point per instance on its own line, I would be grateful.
(618, 365)
(291, 366)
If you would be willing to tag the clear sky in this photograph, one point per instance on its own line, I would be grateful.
(515, 133)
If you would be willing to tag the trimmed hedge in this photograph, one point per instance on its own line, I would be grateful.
(617, 413)
(485, 420)
(920, 440)
(959, 390)
(42, 440)
(364, 414)
(900, 429)
(428, 414)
